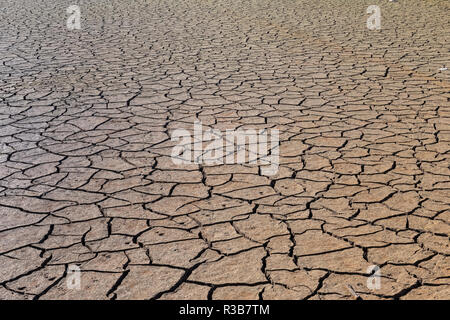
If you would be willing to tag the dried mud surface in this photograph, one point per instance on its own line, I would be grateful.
(86, 176)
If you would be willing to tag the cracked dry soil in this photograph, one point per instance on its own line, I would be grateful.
(86, 176)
